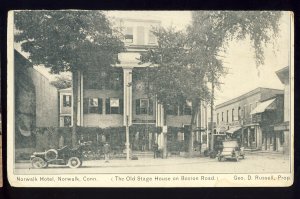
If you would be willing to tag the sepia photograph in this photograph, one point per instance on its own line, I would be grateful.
(150, 98)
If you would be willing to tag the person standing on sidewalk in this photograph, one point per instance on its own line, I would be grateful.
(155, 150)
(106, 149)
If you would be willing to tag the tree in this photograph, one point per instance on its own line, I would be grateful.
(62, 82)
(67, 41)
(185, 61)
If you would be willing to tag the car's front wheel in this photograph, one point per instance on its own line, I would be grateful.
(38, 163)
(74, 162)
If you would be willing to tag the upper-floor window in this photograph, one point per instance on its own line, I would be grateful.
(129, 34)
(217, 118)
(187, 110)
(222, 116)
(227, 116)
(232, 114)
(239, 113)
(144, 106)
(113, 106)
(67, 100)
(245, 111)
(151, 38)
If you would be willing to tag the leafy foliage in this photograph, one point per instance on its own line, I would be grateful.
(67, 40)
(62, 82)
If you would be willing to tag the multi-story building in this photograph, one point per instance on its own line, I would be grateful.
(251, 118)
(118, 98)
(284, 127)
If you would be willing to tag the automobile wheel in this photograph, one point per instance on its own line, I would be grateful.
(38, 163)
(51, 154)
(74, 162)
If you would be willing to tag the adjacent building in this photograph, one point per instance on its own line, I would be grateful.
(36, 105)
(283, 128)
(251, 118)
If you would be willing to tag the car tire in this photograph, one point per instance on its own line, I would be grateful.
(38, 163)
(74, 162)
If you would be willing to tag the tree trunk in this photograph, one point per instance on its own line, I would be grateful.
(195, 110)
(75, 102)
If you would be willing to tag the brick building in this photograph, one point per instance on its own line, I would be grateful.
(251, 118)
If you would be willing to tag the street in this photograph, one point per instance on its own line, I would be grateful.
(253, 163)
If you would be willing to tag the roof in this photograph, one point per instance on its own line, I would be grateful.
(262, 107)
(248, 94)
(283, 74)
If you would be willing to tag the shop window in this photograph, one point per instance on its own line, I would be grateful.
(129, 35)
(144, 106)
(114, 106)
(67, 121)
(67, 100)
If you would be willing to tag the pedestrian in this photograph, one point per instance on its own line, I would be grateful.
(155, 150)
(61, 141)
(106, 149)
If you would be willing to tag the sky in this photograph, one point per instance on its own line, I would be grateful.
(243, 74)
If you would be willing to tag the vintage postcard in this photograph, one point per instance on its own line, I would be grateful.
(150, 98)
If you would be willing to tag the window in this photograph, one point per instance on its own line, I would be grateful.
(245, 109)
(114, 106)
(217, 118)
(92, 105)
(67, 121)
(67, 100)
(227, 115)
(187, 110)
(151, 38)
(232, 115)
(222, 116)
(239, 113)
(172, 110)
(140, 39)
(144, 106)
(129, 35)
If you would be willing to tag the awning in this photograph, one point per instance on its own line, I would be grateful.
(233, 129)
(262, 107)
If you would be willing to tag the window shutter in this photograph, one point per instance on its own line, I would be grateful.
(64, 101)
(137, 106)
(85, 105)
(121, 106)
(150, 112)
(100, 105)
(107, 106)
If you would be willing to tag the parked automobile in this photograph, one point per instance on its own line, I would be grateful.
(231, 150)
(62, 156)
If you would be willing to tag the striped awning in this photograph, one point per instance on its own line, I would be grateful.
(233, 129)
(262, 107)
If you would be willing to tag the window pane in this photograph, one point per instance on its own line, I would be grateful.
(129, 34)
(67, 100)
(67, 121)
(93, 102)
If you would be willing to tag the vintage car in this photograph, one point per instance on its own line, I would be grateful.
(62, 156)
(231, 150)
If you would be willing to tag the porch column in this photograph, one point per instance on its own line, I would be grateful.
(80, 100)
(127, 117)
